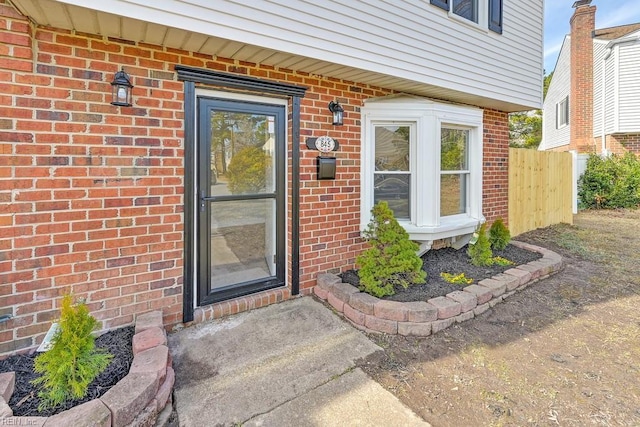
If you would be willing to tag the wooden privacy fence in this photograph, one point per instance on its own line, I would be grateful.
(540, 189)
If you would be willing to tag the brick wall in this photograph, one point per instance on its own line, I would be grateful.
(91, 195)
(622, 143)
(495, 185)
(581, 65)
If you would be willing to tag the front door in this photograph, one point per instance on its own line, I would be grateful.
(241, 191)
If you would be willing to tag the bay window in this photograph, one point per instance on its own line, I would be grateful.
(454, 171)
(425, 159)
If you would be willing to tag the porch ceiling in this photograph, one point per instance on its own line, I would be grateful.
(53, 13)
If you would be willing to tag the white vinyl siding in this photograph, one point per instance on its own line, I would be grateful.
(629, 87)
(599, 51)
(611, 92)
(405, 39)
(559, 89)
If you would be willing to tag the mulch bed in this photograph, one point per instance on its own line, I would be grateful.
(25, 400)
(449, 260)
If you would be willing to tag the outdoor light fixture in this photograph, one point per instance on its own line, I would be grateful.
(121, 89)
(337, 111)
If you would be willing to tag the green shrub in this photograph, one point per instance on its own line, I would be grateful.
(480, 251)
(247, 171)
(499, 236)
(610, 182)
(73, 361)
(391, 258)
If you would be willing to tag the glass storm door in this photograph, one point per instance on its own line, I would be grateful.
(241, 175)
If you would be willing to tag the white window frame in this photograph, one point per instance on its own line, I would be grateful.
(425, 223)
(562, 112)
(480, 5)
(465, 174)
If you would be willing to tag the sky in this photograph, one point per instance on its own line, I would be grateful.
(557, 13)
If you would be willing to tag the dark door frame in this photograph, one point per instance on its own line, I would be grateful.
(205, 106)
(191, 77)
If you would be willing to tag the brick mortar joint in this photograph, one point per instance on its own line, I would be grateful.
(536, 275)
(26, 420)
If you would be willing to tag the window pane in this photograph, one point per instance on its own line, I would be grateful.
(392, 148)
(454, 149)
(394, 189)
(242, 153)
(242, 240)
(467, 9)
(453, 194)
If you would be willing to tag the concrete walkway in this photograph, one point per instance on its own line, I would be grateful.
(288, 364)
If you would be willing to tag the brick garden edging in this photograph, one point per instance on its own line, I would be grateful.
(139, 399)
(422, 318)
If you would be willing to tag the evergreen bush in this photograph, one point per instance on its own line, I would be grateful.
(610, 182)
(391, 258)
(247, 171)
(480, 252)
(499, 235)
(73, 361)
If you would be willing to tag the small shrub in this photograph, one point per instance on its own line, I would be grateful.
(498, 260)
(456, 279)
(391, 258)
(480, 252)
(611, 182)
(499, 235)
(73, 361)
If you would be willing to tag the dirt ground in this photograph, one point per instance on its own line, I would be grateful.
(563, 352)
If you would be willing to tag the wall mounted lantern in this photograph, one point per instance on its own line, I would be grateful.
(121, 89)
(338, 112)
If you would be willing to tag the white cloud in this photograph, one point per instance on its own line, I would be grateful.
(626, 13)
(553, 49)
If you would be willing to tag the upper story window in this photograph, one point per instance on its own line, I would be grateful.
(562, 113)
(468, 9)
(486, 13)
(425, 160)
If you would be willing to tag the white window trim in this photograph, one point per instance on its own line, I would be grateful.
(429, 117)
(560, 108)
(483, 16)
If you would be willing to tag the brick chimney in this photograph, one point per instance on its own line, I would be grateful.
(583, 24)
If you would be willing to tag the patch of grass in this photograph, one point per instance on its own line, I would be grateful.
(572, 243)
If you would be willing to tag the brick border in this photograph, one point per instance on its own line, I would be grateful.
(421, 318)
(139, 399)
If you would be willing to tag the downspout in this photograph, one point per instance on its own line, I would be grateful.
(603, 95)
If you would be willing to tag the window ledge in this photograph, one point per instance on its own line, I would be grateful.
(471, 24)
(449, 227)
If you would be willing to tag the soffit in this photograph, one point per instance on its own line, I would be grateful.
(54, 14)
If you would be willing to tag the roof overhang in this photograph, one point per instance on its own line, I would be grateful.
(155, 31)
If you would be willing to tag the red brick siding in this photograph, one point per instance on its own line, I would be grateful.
(495, 185)
(581, 95)
(91, 195)
(623, 143)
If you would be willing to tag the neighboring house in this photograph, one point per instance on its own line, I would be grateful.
(202, 197)
(593, 101)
